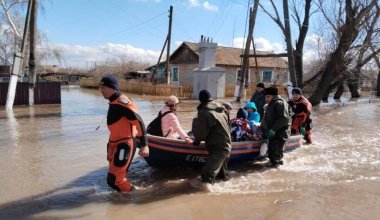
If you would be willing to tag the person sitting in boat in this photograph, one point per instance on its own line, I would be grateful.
(256, 133)
(240, 126)
(170, 124)
(253, 115)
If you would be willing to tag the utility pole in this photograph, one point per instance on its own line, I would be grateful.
(167, 72)
(18, 61)
(32, 57)
(167, 43)
(256, 63)
(245, 66)
(289, 47)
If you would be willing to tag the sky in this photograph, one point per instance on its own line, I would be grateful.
(89, 31)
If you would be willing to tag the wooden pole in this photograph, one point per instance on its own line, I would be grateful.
(256, 63)
(245, 65)
(159, 59)
(167, 72)
(32, 57)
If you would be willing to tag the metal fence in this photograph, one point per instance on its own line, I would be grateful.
(44, 93)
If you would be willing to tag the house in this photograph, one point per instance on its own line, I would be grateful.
(53, 73)
(186, 57)
(368, 79)
(137, 75)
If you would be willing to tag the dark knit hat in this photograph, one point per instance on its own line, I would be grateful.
(205, 96)
(242, 113)
(260, 85)
(270, 91)
(297, 90)
(110, 81)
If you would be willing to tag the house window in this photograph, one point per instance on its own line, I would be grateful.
(267, 76)
(239, 75)
(160, 72)
(175, 75)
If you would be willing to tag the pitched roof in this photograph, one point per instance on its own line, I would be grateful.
(230, 56)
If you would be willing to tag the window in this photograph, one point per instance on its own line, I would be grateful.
(267, 76)
(239, 75)
(174, 75)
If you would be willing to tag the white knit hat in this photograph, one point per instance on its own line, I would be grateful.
(171, 100)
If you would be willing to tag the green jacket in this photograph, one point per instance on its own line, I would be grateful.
(213, 125)
(277, 116)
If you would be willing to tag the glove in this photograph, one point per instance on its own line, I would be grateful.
(270, 134)
(196, 143)
(302, 130)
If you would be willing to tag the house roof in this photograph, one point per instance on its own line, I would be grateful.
(230, 56)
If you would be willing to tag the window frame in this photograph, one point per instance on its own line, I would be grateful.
(264, 78)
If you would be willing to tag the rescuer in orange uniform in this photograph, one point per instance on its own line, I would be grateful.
(127, 130)
(301, 108)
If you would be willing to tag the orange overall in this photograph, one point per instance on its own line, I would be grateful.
(302, 117)
(125, 125)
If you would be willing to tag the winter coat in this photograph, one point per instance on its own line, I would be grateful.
(277, 116)
(253, 117)
(170, 125)
(213, 125)
(240, 129)
(259, 99)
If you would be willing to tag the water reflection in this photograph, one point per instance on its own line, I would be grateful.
(12, 124)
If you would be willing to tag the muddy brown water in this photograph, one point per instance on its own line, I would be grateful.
(53, 166)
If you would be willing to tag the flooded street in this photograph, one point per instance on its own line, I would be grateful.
(53, 166)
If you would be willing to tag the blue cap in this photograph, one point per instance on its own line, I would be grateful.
(297, 90)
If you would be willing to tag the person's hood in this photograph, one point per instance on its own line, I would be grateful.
(211, 106)
(250, 105)
(276, 98)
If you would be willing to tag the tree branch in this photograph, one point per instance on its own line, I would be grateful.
(327, 17)
(276, 19)
(364, 11)
(295, 14)
(9, 19)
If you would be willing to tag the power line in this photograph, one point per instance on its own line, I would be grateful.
(136, 28)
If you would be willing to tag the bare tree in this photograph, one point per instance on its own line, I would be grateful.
(348, 27)
(377, 61)
(11, 27)
(298, 9)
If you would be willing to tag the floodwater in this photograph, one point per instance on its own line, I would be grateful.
(53, 166)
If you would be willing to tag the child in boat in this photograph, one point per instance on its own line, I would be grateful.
(170, 124)
(256, 133)
(240, 126)
(253, 115)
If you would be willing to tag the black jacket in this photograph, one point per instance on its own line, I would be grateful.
(277, 116)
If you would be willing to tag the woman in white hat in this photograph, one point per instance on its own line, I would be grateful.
(170, 124)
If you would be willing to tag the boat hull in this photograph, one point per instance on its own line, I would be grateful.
(173, 153)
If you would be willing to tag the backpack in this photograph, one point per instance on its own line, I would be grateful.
(154, 128)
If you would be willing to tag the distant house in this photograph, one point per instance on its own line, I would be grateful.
(54, 74)
(368, 79)
(185, 59)
(137, 75)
